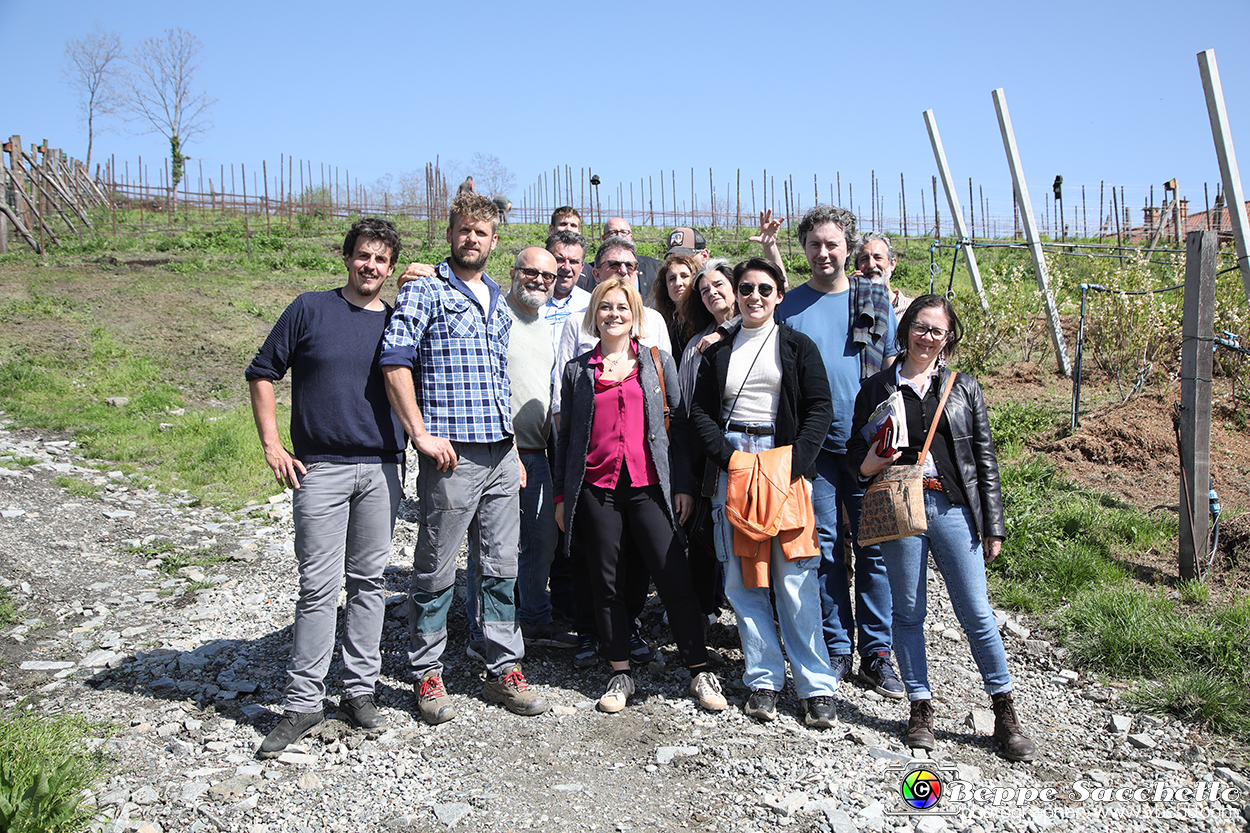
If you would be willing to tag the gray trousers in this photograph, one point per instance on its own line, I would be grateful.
(344, 516)
(480, 497)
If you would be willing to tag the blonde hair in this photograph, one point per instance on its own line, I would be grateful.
(638, 330)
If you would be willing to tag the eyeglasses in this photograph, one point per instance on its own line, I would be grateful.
(936, 332)
(531, 273)
(629, 266)
(765, 289)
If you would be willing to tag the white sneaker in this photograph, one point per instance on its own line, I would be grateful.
(706, 687)
(620, 687)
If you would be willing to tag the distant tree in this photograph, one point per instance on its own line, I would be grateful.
(491, 176)
(162, 97)
(91, 67)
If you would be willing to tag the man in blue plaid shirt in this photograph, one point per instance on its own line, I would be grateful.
(445, 361)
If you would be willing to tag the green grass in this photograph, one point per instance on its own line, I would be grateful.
(175, 561)
(44, 768)
(76, 487)
(1062, 561)
(1013, 424)
(213, 454)
(8, 611)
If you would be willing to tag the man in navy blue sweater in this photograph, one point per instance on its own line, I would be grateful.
(345, 468)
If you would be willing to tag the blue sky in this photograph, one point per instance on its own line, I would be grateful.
(1097, 90)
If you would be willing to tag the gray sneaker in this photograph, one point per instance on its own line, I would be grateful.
(617, 695)
(512, 692)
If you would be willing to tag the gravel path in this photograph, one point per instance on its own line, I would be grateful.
(184, 673)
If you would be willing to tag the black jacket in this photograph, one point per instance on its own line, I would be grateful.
(577, 415)
(804, 411)
(968, 425)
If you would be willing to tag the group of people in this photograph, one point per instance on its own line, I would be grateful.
(590, 444)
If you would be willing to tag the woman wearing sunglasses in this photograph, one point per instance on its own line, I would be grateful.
(964, 508)
(763, 388)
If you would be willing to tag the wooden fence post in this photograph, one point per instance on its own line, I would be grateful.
(1195, 414)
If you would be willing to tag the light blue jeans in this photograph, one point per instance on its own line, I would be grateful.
(795, 586)
(952, 538)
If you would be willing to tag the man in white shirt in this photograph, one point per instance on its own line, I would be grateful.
(567, 298)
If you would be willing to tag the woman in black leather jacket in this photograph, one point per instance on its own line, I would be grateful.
(963, 505)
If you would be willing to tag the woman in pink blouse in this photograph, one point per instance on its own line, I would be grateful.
(618, 491)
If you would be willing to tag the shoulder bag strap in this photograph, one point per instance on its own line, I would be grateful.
(946, 392)
(659, 370)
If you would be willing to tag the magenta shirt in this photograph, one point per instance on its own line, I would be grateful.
(619, 432)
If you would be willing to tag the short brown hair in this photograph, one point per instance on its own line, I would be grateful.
(562, 212)
(471, 206)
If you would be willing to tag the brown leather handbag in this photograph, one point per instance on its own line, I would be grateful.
(893, 505)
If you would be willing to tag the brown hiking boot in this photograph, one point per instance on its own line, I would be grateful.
(432, 700)
(920, 726)
(1015, 744)
(512, 692)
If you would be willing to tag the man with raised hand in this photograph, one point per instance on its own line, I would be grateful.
(851, 322)
(344, 466)
(445, 361)
(875, 260)
(531, 357)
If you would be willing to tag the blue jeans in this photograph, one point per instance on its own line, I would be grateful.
(794, 583)
(535, 552)
(952, 538)
(835, 485)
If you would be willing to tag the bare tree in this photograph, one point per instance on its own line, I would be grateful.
(492, 177)
(91, 67)
(161, 94)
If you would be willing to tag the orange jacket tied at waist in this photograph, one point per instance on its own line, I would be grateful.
(762, 502)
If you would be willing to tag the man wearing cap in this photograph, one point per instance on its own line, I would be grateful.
(688, 241)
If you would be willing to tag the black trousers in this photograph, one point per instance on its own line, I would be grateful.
(606, 518)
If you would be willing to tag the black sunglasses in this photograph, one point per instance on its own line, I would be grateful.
(765, 289)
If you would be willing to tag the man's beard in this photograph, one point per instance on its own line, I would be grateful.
(881, 276)
(475, 265)
(533, 298)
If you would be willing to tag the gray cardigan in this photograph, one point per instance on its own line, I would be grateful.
(577, 415)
